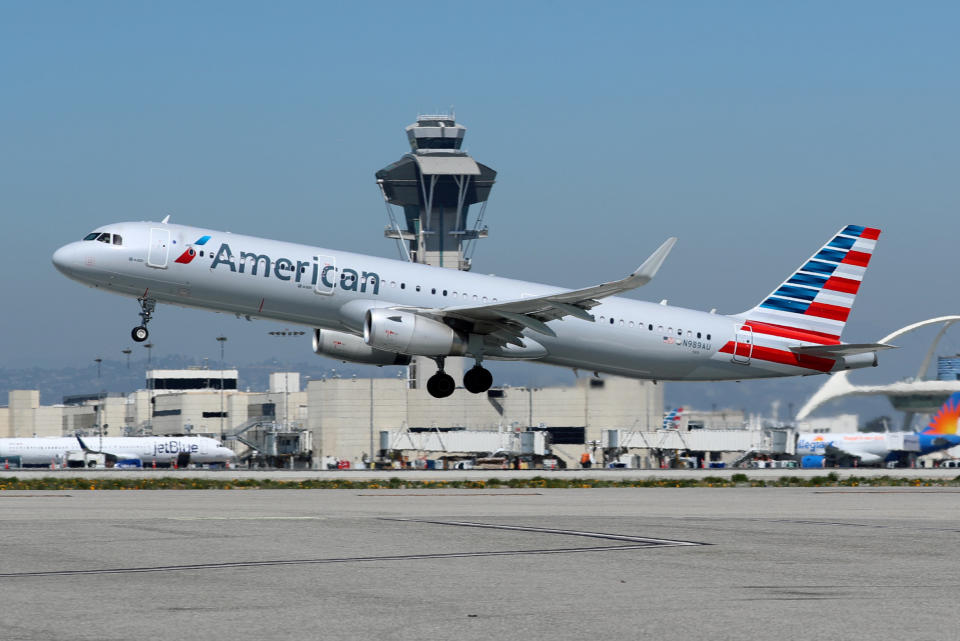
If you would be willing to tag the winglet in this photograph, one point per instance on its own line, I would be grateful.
(650, 266)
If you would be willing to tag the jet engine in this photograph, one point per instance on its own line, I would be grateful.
(413, 334)
(347, 347)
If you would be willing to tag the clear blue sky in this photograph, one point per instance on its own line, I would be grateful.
(751, 130)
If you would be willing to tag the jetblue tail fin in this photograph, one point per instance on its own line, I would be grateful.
(813, 304)
(946, 420)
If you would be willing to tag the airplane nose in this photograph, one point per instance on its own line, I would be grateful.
(67, 259)
(63, 258)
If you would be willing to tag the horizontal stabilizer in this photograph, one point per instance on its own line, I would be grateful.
(844, 349)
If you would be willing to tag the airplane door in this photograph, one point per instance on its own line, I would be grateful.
(326, 275)
(743, 345)
(159, 248)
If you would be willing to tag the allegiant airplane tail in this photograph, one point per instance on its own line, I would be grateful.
(814, 303)
(946, 420)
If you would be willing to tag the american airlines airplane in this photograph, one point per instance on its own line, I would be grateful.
(378, 311)
(147, 449)
(943, 432)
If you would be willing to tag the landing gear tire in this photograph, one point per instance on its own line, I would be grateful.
(441, 385)
(139, 334)
(477, 380)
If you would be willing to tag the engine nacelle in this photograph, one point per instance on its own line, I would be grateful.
(412, 334)
(347, 347)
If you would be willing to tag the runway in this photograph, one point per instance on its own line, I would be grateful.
(669, 564)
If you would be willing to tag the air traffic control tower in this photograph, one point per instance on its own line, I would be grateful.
(435, 184)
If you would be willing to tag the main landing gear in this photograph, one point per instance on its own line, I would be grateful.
(441, 384)
(140, 333)
(476, 381)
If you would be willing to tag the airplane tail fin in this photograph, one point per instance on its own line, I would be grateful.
(672, 419)
(946, 420)
(813, 304)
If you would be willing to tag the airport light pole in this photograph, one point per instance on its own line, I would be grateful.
(222, 340)
(98, 361)
(286, 375)
(149, 348)
(127, 352)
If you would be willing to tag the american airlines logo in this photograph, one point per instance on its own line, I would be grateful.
(296, 270)
(190, 252)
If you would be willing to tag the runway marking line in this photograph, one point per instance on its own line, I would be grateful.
(634, 543)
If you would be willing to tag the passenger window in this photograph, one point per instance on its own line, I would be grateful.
(444, 292)
(433, 291)
(484, 299)
(418, 288)
(679, 332)
(611, 321)
(650, 327)
(91, 236)
(708, 336)
(117, 239)
(403, 285)
(698, 334)
(631, 323)
(621, 322)
(603, 318)
(454, 294)
(659, 328)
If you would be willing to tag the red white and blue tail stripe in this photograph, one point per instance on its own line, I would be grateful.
(813, 304)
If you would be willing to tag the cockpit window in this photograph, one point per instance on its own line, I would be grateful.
(117, 239)
(104, 238)
(91, 236)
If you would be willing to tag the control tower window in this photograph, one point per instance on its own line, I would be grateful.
(437, 143)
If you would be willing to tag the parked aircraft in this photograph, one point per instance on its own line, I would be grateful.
(876, 447)
(163, 450)
(377, 311)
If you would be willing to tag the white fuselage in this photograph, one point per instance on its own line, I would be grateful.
(161, 449)
(323, 288)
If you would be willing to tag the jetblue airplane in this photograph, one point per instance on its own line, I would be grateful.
(146, 449)
(941, 433)
(365, 309)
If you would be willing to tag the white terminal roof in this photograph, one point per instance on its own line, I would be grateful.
(192, 373)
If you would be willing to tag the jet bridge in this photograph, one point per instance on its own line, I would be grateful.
(460, 441)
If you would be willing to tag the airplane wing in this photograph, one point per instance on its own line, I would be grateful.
(506, 320)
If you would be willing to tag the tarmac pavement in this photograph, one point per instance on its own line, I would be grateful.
(665, 564)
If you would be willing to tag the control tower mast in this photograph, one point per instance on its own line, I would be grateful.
(435, 184)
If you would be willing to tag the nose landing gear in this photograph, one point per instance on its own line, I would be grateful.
(140, 333)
